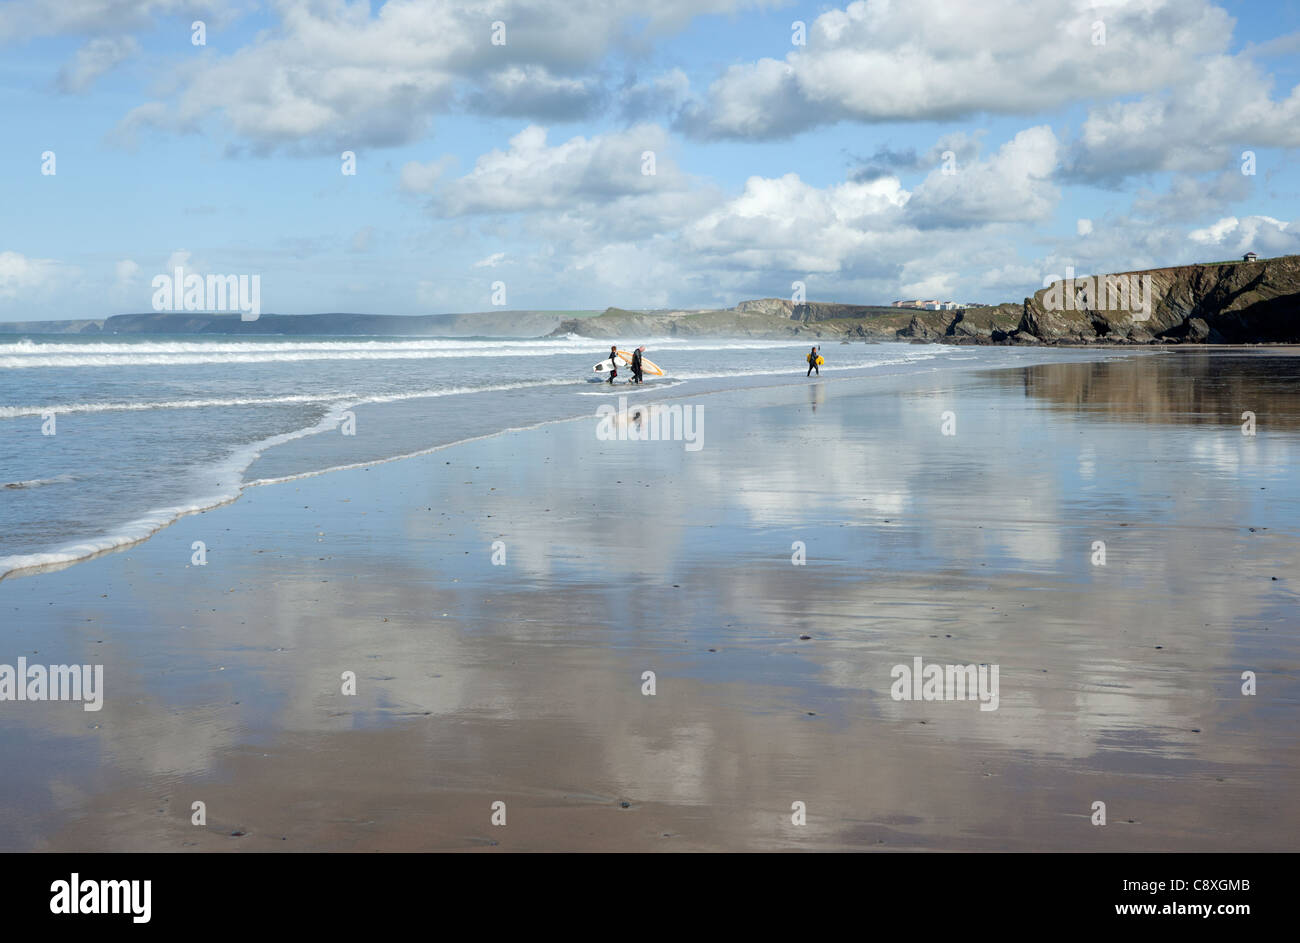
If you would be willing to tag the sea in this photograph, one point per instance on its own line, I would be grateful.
(105, 440)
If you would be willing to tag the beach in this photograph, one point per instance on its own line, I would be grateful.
(1104, 532)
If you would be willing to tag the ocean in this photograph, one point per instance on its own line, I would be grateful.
(105, 440)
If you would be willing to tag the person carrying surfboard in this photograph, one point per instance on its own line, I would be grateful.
(636, 364)
(613, 363)
(812, 363)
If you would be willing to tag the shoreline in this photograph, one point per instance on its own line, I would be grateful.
(72, 554)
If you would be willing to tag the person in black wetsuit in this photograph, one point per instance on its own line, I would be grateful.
(812, 363)
(613, 366)
(636, 364)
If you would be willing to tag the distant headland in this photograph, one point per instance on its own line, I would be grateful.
(1251, 301)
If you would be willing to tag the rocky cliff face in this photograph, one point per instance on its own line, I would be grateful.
(1226, 303)
(811, 310)
(617, 324)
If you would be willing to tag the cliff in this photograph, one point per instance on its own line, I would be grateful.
(1219, 303)
(728, 322)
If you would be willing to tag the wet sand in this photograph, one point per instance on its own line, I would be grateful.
(522, 682)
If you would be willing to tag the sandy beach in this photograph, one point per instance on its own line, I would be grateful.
(500, 602)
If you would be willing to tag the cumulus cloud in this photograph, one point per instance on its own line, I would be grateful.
(533, 92)
(1204, 124)
(957, 146)
(882, 61)
(1262, 234)
(531, 174)
(20, 275)
(1013, 185)
(29, 19)
(96, 58)
(421, 178)
(1191, 197)
(332, 75)
(789, 225)
(662, 95)
(126, 271)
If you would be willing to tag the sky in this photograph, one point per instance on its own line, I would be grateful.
(594, 153)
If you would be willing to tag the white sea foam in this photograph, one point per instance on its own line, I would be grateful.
(27, 355)
(39, 482)
(130, 533)
(13, 412)
(230, 471)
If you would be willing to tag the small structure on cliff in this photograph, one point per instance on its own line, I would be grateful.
(1249, 257)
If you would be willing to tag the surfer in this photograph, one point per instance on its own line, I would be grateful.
(636, 364)
(812, 363)
(613, 363)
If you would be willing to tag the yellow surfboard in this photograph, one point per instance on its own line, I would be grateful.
(648, 367)
(820, 359)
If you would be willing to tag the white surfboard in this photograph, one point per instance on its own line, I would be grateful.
(625, 360)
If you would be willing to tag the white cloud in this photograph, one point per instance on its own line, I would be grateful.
(332, 75)
(1203, 124)
(1262, 234)
(28, 19)
(531, 174)
(96, 58)
(1083, 227)
(421, 178)
(1013, 185)
(787, 224)
(1190, 197)
(663, 94)
(929, 60)
(1215, 234)
(492, 261)
(126, 271)
(20, 275)
(531, 91)
(940, 285)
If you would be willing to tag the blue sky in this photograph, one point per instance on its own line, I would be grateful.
(522, 163)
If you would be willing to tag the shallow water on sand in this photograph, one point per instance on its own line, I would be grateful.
(1119, 682)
